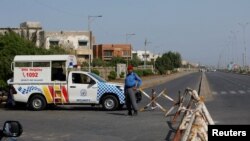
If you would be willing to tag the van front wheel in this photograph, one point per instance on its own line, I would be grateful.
(110, 103)
(37, 103)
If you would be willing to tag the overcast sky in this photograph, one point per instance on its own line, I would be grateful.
(202, 31)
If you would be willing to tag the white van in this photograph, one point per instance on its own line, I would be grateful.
(41, 80)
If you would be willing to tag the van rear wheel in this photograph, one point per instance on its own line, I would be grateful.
(110, 103)
(37, 103)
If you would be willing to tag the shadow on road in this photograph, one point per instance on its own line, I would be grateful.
(171, 132)
(118, 114)
(23, 107)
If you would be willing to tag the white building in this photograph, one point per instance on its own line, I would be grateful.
(142, 55)
(76, 41)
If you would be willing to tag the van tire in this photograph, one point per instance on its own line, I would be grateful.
(110, 103)
(37, 103)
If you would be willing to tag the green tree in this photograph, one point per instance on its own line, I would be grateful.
(12, 44)
(98, 62)
(135, 61)
(97, 72)
(168, 61)
(117, 60)
(175, 59)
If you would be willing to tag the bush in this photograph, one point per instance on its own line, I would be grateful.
(139, 72)
(112, 75)
(122, 75)
(95, 71)
(147, 72)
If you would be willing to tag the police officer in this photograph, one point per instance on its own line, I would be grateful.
(132, 83)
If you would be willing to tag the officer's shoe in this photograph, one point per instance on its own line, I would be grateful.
(135, 113)
(130, 113)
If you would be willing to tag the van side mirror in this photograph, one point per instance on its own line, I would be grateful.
(12, 129)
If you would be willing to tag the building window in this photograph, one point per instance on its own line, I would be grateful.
(108, 53)
(145, 55)
(82, 42)
(126, 53)
(54, 43)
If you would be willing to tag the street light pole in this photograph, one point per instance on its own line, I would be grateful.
(90, 19)
(127, 36)
(234, 47)
(244, 41)
(145, 57)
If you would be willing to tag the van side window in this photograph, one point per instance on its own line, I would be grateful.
(79, 78)
(41, 64)
(23, 64)
(57, 71)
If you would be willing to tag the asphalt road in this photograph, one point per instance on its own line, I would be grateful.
(92, 124)
(231, 98)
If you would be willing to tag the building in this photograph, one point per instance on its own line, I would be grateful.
(28, 30)
(142, 55)
(78, 42)
(107, 51)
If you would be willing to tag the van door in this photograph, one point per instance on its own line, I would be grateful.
(82, 88)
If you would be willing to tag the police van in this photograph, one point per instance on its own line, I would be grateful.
(41, 80)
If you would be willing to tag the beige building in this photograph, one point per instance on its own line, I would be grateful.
(28, 30)
(78, 42)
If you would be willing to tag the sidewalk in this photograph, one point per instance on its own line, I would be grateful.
(149, 81)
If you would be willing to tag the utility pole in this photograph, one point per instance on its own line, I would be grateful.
(244, 42)
(127, 37)
(145, 55)
(90, 19)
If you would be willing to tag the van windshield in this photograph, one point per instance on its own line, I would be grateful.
(97, 77)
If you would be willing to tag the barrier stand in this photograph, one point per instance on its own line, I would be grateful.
(153, 105)
(180, 105)
(154, 98)
(176, 104)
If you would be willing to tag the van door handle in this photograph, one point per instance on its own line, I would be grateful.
(72, 86)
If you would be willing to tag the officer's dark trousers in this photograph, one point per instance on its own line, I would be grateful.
(131, 99)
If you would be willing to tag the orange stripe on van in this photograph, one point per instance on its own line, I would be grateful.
(47, 94)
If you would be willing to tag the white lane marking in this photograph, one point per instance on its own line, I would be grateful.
(241, 92)
(214, 93)
(223, 92)
(232, 92)
(216, 122)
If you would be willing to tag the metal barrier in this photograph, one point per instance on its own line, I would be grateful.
(194, 124)
(190, 109)
(153, 103)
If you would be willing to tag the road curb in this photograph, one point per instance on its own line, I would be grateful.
(162, 79)
(205, 88)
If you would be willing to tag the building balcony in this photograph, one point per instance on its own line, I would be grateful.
(84, 52)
